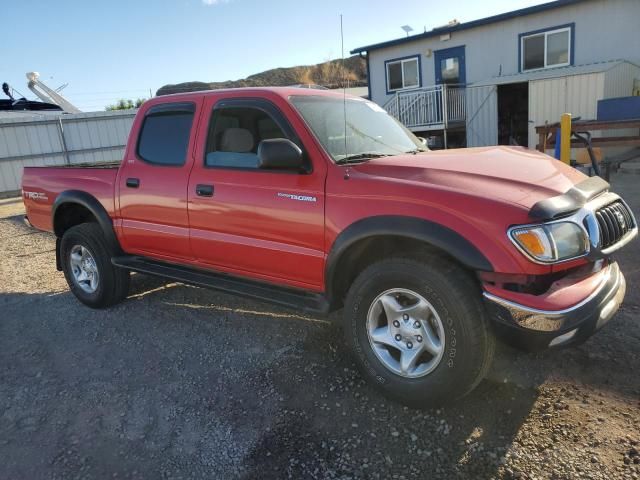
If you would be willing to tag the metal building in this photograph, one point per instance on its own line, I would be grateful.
(60, 140)
(550, 94)
(490, 81)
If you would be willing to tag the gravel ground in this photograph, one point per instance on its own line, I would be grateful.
(181, 382)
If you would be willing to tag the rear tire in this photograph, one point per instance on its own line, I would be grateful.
(419, 330)
(87, 267)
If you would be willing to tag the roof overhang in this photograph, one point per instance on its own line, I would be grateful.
(558, 72)
(468, 25)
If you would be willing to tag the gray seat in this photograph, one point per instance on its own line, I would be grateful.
(234, 149)
(238, 140)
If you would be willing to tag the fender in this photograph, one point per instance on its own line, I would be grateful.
(409, 227)
(97, 210)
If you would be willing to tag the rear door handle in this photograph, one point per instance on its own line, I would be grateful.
(133, 182)
(204, 190)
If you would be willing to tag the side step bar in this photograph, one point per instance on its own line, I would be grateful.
(296, 299)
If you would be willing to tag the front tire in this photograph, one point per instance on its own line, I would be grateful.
(87, 267)
(419, 330)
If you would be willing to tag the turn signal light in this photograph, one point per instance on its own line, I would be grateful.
(536, 242)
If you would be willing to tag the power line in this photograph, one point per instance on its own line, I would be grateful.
(111, 92)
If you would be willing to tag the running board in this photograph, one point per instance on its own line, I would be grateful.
(315, 303)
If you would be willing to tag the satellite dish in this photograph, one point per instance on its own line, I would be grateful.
(407, 29)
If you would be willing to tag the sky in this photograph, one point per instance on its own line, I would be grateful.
(106, 50)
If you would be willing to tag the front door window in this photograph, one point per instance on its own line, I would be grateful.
(450, 70)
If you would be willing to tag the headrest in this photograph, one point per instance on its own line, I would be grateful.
(237, 140)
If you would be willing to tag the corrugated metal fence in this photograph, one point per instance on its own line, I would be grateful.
(482, 115)
(60, 140)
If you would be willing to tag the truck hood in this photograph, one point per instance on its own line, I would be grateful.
(511, 174)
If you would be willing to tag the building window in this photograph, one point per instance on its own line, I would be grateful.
(403, 73)
(546, 49)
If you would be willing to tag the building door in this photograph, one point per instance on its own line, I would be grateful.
(450, 66)
(513, 114)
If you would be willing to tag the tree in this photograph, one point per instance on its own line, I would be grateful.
(123, 104)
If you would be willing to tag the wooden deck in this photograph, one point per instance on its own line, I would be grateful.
(547, 133)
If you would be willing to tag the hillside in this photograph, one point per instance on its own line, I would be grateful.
(328, 74)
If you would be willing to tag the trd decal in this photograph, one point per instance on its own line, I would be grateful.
(35, 195)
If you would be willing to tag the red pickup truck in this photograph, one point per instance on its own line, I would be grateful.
(319, 201)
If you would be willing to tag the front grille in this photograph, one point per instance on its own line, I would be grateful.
(615, 221)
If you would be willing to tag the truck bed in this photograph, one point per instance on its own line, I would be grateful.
(42, 185)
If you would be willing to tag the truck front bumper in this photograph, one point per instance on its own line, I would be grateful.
(538, 329)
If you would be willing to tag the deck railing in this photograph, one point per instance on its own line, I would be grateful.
(430, 107)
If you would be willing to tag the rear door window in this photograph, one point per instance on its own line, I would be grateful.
(164, 137)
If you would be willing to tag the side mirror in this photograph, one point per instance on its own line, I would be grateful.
(423, 141)
(279, 153)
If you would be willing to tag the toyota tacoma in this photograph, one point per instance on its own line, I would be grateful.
(319, 201)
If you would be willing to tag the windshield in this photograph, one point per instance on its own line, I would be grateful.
(370, 130)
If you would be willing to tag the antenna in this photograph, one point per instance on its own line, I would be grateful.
(344, 87)
(49, 95)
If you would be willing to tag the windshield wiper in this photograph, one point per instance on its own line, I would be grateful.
(417, 150)
(359, 157)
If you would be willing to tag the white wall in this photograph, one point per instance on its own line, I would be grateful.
(579, 95)
(604, 30)
(550, 98)
(619, 80)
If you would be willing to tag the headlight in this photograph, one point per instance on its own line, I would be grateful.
(553, 242)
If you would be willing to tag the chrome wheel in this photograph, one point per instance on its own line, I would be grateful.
(405, 333)
(84, 269)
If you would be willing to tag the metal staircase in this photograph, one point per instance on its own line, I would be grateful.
(430, 108)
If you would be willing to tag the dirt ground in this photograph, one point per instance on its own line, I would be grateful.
(182, 382)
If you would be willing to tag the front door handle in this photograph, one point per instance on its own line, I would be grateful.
(204, 190)
(133, 182)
